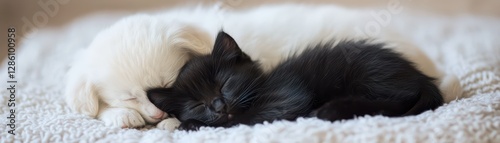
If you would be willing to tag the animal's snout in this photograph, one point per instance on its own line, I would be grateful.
(218, 105)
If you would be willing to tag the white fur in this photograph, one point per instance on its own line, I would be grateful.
(109, 79)
(143, 51)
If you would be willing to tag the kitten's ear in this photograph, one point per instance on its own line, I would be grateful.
(227, 49)
(159, 96)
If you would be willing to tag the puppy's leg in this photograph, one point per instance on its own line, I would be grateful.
(450, 87)
(121, 117)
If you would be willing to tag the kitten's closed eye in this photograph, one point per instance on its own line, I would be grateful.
(196, 106)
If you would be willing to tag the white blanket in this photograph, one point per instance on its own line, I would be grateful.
(467, 46)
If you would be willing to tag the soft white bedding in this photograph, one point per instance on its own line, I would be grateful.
(467, 46)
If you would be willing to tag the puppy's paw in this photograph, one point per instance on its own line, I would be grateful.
(191, 125)
(451, 88)
(169, 124)
(121, 117)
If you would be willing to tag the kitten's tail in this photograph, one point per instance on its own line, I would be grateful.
(430, 99)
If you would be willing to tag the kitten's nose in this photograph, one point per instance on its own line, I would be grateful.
(218, 104)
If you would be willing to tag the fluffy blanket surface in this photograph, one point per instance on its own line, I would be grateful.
(467, 46)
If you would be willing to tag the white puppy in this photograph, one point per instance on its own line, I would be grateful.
(141, 52)
(108, 80)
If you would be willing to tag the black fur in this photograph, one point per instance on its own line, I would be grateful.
(330, 82)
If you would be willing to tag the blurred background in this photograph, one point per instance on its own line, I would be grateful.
(56, 13)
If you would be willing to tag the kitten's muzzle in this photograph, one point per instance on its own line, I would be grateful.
(218, 105)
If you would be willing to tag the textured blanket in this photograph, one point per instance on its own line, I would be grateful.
(467, 46)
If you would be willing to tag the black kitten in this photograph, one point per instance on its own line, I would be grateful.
(349, 79)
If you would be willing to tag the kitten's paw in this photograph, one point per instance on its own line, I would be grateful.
(121, 117)
(333, 111)
(191, 125)
(169, 124)
(451, 88)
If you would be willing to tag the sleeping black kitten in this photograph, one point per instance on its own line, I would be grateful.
(352, 78)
